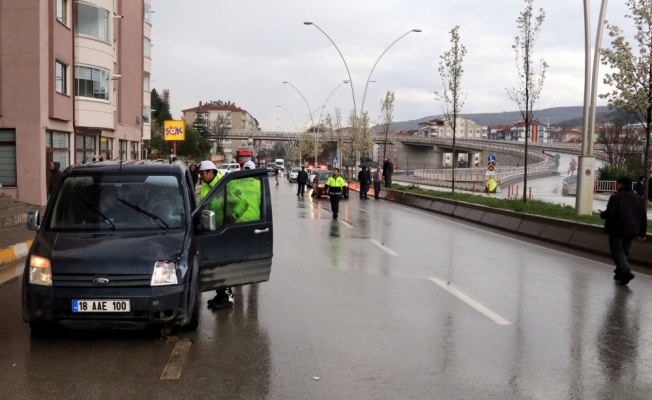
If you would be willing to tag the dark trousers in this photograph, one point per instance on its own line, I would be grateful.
(302, 188)
(619, 247)
(376, 188)
(335, 204)
(388, 181)
(364, 188)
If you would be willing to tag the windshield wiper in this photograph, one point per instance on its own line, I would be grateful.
(149, 214)
(106, 219)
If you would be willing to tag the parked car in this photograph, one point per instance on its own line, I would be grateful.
(127, 246)
(225, 169)
(294, 172)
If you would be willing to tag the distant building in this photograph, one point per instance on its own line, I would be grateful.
(465, 129)
(239, 119)
(74, 82)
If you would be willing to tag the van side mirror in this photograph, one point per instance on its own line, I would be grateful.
(207, 220)
(33, 220)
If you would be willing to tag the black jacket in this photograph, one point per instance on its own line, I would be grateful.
(364, 176)
(625, 214)
(302, 177)
(388, 168)
(54, 178)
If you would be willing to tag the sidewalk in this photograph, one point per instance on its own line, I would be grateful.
(14, 246)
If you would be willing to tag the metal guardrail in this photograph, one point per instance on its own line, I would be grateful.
(567, 181)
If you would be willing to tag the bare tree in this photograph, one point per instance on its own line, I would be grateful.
(386, 118)
(529, 79)
(452, 98)
(219, 129)
(632, 78)
(621, 143)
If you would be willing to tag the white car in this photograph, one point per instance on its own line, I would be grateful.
(294, 173)
(224, 169)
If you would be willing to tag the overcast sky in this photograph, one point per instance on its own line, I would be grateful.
(242, 51)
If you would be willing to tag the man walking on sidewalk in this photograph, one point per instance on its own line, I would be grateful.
(626, 218)
(378, 179)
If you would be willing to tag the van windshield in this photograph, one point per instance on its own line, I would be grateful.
(99, 202)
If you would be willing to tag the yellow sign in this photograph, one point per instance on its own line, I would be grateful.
(492, 185)
(174, 130)
(490, 167)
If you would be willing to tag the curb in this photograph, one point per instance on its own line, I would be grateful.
(10, 256)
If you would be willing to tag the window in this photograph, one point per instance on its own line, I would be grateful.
(91, 21)
(106, 148)
(134, 150)
(148, 13)
(62, 11)
(85, 146)
(58, 145)
(8, 157)
(61, 78)
(147, 50)
(91, 82)
(146, 76)
(123, 150)
(147, 112)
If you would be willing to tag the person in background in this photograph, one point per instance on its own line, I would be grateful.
(388, 171)
(334, 185)
(639, 187)
(626, 218)
(55, 176)
(276, 174)
(302, 180)
(194, 174)
(364, 177)
(378, 179)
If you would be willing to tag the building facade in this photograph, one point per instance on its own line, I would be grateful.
(74, 82)
(237, 119)
(465, 129)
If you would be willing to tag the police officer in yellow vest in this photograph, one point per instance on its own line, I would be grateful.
(210, 176)
(243, 198)
(334, 186)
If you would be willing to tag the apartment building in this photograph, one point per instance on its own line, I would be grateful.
(238, 120)
(465, 129)
(74, 82)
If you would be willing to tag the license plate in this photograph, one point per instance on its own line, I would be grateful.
(109, 305)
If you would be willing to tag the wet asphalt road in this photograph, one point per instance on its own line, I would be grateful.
(369, 324)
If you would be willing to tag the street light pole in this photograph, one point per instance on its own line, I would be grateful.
(309, 110)
(324, 107)
(296, 127)
(374, 67)
(586, 167)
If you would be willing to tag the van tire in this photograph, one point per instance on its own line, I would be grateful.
(194, 320)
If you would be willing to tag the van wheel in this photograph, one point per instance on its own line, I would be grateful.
(194, 320)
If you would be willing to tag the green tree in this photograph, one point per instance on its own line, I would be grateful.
(452, 98)
(631, 78)
(194, 146)
(529, 79)
(157, 147)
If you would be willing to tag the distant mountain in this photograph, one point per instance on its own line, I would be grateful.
(555, 115)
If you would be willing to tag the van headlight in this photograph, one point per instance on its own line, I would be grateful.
(40, 272)
(165, 273)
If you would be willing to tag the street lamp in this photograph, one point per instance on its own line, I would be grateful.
(374, 67)
(322, 110)
(309, 110)
(586, 167)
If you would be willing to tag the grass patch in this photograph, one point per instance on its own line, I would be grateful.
(535, 207)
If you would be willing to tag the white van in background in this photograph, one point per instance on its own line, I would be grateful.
(280, 164)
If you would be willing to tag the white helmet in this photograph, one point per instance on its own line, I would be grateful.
(207, 166)
(249, 165)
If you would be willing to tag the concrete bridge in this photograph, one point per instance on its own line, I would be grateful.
(416, 152)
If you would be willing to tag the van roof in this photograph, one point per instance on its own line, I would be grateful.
(130, 166)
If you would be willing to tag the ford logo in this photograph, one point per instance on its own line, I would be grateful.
(100, 281)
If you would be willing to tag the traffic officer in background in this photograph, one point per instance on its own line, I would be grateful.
(334, 186)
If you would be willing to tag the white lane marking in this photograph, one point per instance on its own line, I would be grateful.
(172, 369)
(345, 223)
(388, 250)
(479, 307)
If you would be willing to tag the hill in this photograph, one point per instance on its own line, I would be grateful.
(556, 115)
